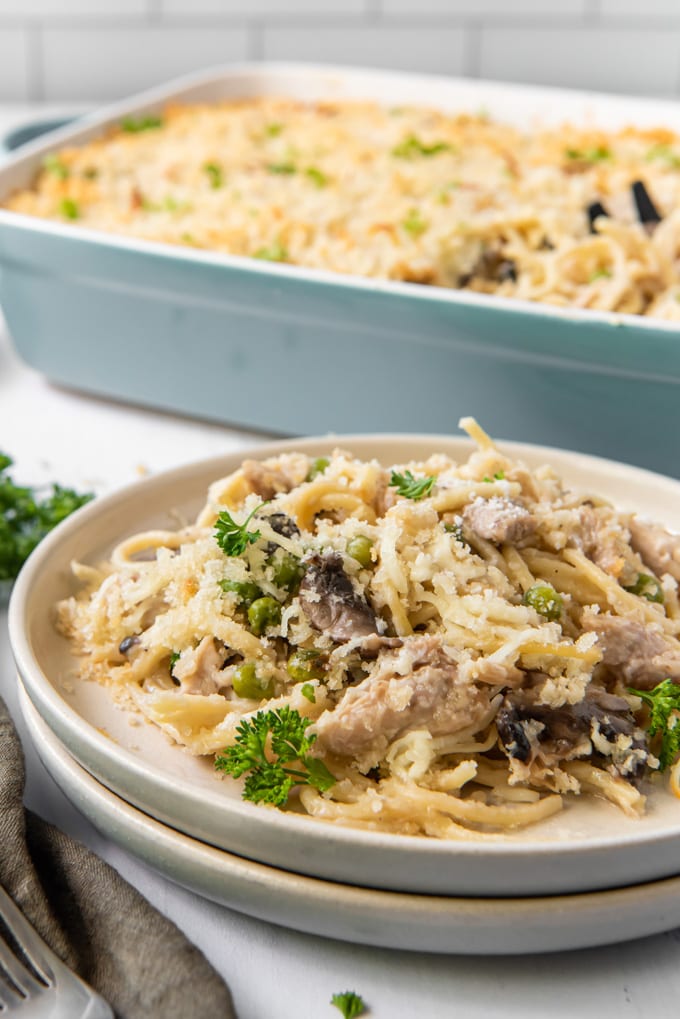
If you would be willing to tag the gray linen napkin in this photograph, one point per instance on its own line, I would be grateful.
(94, 920)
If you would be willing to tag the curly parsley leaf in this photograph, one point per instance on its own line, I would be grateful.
(349, 1003)
(234, 538)
(25, 518)
(664, 718)
(271, 780)
(410, 487)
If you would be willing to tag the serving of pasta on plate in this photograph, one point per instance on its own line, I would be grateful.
(438, 648)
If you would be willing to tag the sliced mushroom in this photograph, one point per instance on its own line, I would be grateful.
(648, 214)
(533, 732)
(595, 210)
(330, 602)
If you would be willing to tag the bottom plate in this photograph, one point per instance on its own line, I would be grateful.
(363, 916)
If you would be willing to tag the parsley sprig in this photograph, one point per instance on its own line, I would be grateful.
(664, 715)
(284, 732)
(349, 1003)
(234, 538)
(25, 517)
(410, 487)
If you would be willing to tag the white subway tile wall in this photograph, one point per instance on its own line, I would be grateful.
(100, 65)
(439, 50)
(97, 50)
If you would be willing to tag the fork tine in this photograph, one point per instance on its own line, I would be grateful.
(9, 998)
(29, 941)
(20, 976)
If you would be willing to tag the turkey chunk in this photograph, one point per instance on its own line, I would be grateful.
(409, 687)
(638, 654)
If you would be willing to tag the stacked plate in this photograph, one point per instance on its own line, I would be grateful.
(587, 876)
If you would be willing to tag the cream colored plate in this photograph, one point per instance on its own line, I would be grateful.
(590, 845)
(387, 919)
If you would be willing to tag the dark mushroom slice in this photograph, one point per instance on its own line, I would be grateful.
(493, 267)
(283, 525)
(127, 643)
(595, 210)
(648, 214)
(531, 731)
(330, 602)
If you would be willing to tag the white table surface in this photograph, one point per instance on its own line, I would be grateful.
(54, 434)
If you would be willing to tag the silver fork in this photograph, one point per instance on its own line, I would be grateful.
(52, 989)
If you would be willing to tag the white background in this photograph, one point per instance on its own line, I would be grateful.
(93, 50)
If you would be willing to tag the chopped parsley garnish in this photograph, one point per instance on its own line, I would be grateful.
(414, 224)
(317, 467)
(600, 274)
(410, 487)
(664, 714)
(234, 538)
(69, 208)
(25, 518)
(174, 658)
(171, 204)
(595, 155)
(665, 154)
(286, 169)
(647, 587)
(307, 690)
(56, 167)
(214, 172)
(498, 476)
(270, 777)
(274, 253)
(133, 125)
(412, 147)
(457, 531)
(349, 1003)
(273, 130)
(317, 176)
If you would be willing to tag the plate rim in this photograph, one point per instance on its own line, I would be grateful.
(408, 907)
(64, 719)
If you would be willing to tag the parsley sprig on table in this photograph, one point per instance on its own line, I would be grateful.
(349, 1003)
(266, 745)
(234, 538)
(410, 487)
(664, 718)
(25, 518)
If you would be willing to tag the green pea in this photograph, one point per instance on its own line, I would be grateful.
(359, 548)
(304, 664)
(245, 590)
(545, 600)
(247, 683)
(318, 467)
(262, 613)
(287, 571)
(647, 587)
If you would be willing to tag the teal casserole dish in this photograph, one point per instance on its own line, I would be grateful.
(291, 350)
